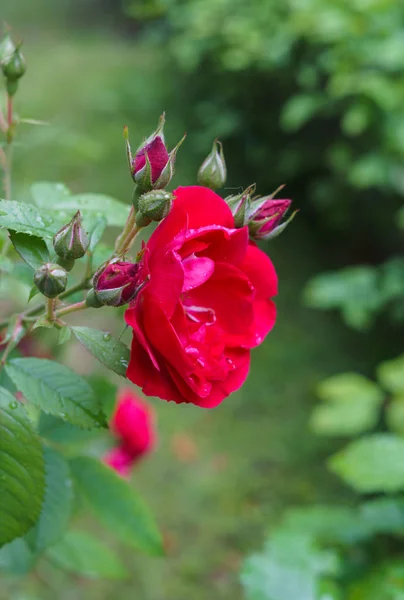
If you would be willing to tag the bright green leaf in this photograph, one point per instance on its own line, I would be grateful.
(292, 566)
(56, 390)
(372, 464)
(391, 374)
(22, 476)
(395, 414)
(57, 504)
(95, 231)
(59, 431)
(83, 554)
(32, 249)
(25, 218)
(56, 197)
(351, 405)
(109, 351)
(48, 195)
(117, 504)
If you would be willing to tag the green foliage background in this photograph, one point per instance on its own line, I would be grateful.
(303, 92)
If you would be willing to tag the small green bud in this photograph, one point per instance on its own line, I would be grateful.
(7, 47)
(92, 300)
(66, 263)
(240, 204)
(13, 66)
(51, 280)
(71, 241)
(213, 173)
(154, 206)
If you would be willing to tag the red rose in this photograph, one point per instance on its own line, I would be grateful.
(157, 154)
(208, 302)
(117, 284)
(133, 425)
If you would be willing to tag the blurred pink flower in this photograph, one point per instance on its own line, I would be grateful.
(133, 425)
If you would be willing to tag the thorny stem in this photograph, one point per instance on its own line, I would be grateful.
(11, 342)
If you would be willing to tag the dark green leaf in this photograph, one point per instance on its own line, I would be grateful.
(83, 554)
(31, 248)
(372, 464)
(59, 431)
(116, 504)
(109, 351)
(57, 505)
(22, 475)
(56, 390)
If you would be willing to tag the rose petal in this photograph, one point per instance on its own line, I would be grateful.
(261, 272)
(196, 271)
(203, 207)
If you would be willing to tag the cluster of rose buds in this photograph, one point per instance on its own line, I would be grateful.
(262, 214)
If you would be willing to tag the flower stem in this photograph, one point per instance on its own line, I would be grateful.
(120, 241)
(7, 161)
(72, 308)
(50, 309)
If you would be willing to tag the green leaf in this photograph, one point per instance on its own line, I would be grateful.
(351, 405)
(391, 374)
(22, 475)
(372, 464)
(59, 431)
(57, 390)
(56, 197)
(95, 232)
(6, 265)
(83, 554)
(291, 566)
(25, 218)
(32, 249)
(64, 334)
(109, 351)
(57, 505)
(48, 195)
(16, 557)
(116, 504)
(395, 414)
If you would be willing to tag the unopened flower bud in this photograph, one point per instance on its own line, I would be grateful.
(71, 241)
(13, 68)
(7, 47)
(51, 280)
(265, 216)
(154, 206)
(117, 283)
(240, 204)
(152, 167)
(92, 300)
(213, 173)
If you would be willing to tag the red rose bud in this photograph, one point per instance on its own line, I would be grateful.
(153, 206)
(133, 425)
(213, 173)
(265, 217)
(117, 283)
(51, 280)
(71, 241)
(153, 165)
(240, 205)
